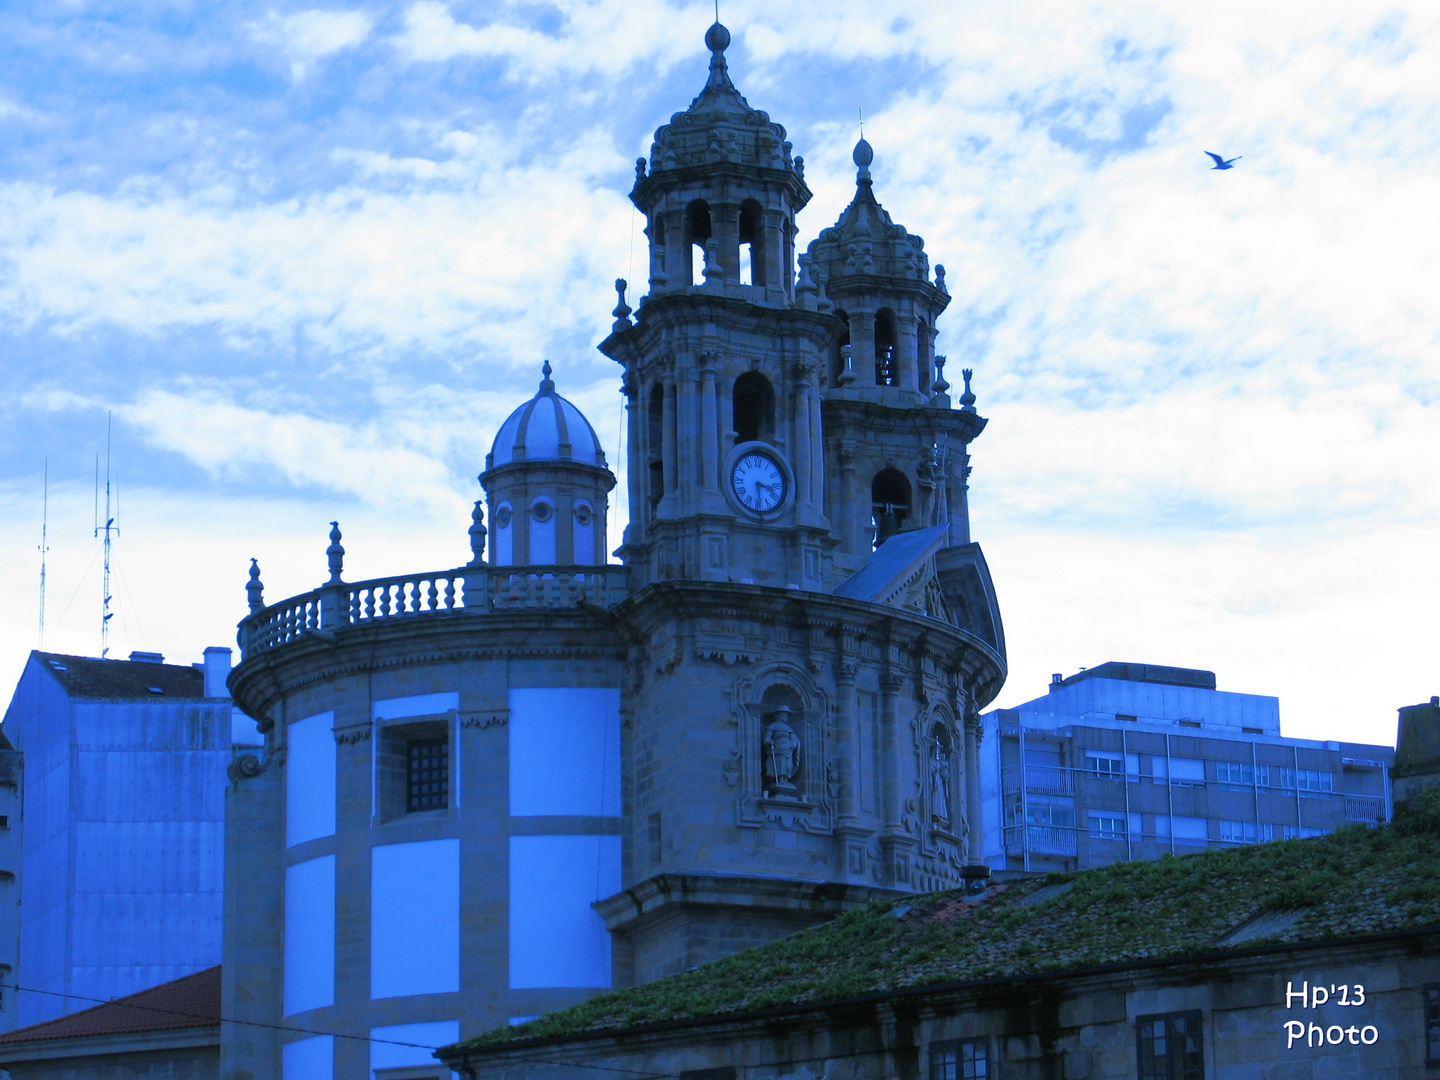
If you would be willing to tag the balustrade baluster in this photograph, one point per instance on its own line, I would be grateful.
(434, 595)
(449, 593)
(352, 608)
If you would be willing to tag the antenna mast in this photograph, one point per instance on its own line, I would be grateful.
(44, 547)
(105, 613)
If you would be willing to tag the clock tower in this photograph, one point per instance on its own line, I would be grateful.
(724, 362)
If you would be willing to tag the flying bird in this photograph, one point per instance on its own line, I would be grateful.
(1221, 163)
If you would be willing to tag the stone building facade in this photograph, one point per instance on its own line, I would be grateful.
(490, 791)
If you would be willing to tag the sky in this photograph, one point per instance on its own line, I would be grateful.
(306, 259)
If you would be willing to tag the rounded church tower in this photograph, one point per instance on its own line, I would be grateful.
(546, 483)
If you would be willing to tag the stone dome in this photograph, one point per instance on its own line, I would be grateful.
(546, 428)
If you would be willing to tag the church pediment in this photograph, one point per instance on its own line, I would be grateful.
(901, 574)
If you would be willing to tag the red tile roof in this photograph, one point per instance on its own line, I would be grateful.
(189, 1002)
(90, 677)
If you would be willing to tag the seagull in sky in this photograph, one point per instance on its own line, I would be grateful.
(1221, 163)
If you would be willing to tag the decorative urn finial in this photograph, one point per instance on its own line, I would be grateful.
(547, 384)
(255, 588)
(864, 154)
(622, 309)
(717, 40)
(335, 553)
(477, 534)
(967, 399)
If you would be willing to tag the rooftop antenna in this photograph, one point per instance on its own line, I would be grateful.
(109, 527)
(44, 548)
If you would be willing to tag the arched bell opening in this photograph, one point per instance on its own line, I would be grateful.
(655, 445)
(697, 233)
(889, 503)
(752, 243)
(887, 366)
(753, 405)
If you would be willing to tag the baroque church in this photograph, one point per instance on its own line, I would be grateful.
(489, 791)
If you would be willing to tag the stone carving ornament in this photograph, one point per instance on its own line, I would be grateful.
(940, 784)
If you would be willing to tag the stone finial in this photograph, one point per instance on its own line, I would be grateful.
(939, 386)
(967, 399)
(255, 588)
(805, 290)
(477, 534)
(714, 272)
(940, 279)
(622, 309)
(547, 384)
(864, 154)
(335, 553)
(847, 371)
(717, 40)
(639, 169)
(800, 166)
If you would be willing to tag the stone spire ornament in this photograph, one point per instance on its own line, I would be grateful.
(477, 534)
(967, 399)
(622, 309)
(335, 553)
(255, 588)
(939, 386)
(547, 384)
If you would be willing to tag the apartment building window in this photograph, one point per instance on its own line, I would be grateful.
(1304, 832)
(1432, 1025)
(1107, 828)
(1233, 772)
(1057, 811)
(1187, 772)
(964, 1059)
(1317, 783)
(1246, 832)
(1104, 765)
(1168, 1046)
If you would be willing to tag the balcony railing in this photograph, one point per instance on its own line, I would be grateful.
(1044, 839)
(1365, 808)
(1045, 779)
(469, 592)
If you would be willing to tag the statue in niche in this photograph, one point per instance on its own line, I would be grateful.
(782, 755)
(940, 784)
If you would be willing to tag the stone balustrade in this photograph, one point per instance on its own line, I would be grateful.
(464, 592)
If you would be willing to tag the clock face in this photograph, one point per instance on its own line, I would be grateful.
(758, 482)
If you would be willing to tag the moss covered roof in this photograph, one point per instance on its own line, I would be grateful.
(1354, 881)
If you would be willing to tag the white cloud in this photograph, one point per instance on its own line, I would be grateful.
(308, 36)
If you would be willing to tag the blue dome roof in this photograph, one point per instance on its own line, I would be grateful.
(546, 428)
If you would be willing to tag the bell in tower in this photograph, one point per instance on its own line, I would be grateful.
(722, 363)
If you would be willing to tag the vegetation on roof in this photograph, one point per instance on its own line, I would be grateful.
(1356, 880)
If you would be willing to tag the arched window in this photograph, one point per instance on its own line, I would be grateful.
(542, 532)
(886, 366)
(837, 359)
(697, 231)
(584, 533)
(504, 535)
(655, 443)
(923, 347)
(889, 503)
(753, 403)
(752, 243)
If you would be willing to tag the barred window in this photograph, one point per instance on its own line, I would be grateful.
(428, 775)
(1432, 1024)
(964, 1059)
(1168, 1046)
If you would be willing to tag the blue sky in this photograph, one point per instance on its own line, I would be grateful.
(311, 257)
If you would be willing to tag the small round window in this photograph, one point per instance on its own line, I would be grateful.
(541, 511)
(502, 517)
(583, 515)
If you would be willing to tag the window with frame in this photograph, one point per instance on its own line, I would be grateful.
(1304, 832)
(1105, 766)
(1168, 1046)
(427, 776)
(1233, 772)
(1245, 832)
(1054, 810)
(963, 1059)
(1432, 1024)
(1106, 828)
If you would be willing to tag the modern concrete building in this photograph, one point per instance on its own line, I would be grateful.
(12, 777)
(1131, 761)
(493, 790)
(122, 802)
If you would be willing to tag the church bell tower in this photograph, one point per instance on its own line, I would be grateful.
(724, 362)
